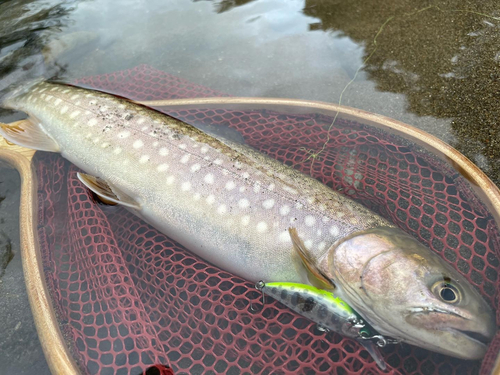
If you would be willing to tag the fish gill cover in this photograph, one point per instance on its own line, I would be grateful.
(128, 297)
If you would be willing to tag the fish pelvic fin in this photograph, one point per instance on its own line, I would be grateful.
(108, 193)
(28, 133)
(314, 274)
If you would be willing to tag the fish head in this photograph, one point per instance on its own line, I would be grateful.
(406, 291)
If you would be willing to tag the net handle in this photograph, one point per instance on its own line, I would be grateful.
(51, 339)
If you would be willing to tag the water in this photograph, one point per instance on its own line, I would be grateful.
(435, 68)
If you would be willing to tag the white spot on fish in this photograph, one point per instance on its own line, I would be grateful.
(197, 196)
(284, 210)
(195, 168)
(141, 120)
(76, 96)
(204, 149)
(58, 101)
(92, 122)
(182, 146)
(121, 106)
(155, 144)
(170, 180)
(186, 186)
(230, 185)
(144, 159)
(321, 246)
(299, 206)
(74, 114)
(185, 158)
(242, 189)
(209, 178)
(261, 227)
(310, 220)
(210, 199)
(163, 151)
(138, 144)
(65, 91)
(319, 232)
(222, 209)
(105, 144)
(162, 167)
(104, 108)
(271, 187)
(308, 243)
(144, 128)
(334, 230)
(245, 175)
(284, 237)
(256, 187)
(268, 204)
(325, 219)
(117, 151)
(64, 109)
(42, 90)
(218, 161)
(245, 220)
(124, 134)
(243, 203)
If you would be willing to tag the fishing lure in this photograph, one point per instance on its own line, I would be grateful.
(329, 312)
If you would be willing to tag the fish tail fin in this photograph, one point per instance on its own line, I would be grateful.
(28, 133)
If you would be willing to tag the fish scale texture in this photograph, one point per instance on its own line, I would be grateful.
(127, 297)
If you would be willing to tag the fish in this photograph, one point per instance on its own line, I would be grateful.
(233, 206)
(329, 312)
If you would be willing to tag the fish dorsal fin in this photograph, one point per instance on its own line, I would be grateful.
(315, 275)
(107, 192)
(28, 133)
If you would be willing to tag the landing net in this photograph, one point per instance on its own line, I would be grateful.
(128, 297)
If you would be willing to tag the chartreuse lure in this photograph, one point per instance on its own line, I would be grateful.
(329, 312)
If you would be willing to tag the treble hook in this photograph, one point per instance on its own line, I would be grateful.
(259, 286)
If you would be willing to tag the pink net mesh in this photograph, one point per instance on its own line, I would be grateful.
(127, 297)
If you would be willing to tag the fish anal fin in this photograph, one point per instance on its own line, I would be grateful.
(107, 192)
(28, 133)
(315, 275)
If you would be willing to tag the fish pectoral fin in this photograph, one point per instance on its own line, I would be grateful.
(28, 133)
(315, 275)
(107, 192)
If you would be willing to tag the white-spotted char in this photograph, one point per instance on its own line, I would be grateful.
(234, 206)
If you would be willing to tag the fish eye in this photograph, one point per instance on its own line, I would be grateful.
(447, 292)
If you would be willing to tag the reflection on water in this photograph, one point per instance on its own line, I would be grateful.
(225, 5)
(25, 28)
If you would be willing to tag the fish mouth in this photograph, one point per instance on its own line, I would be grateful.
(459, 325)
(474, 336)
